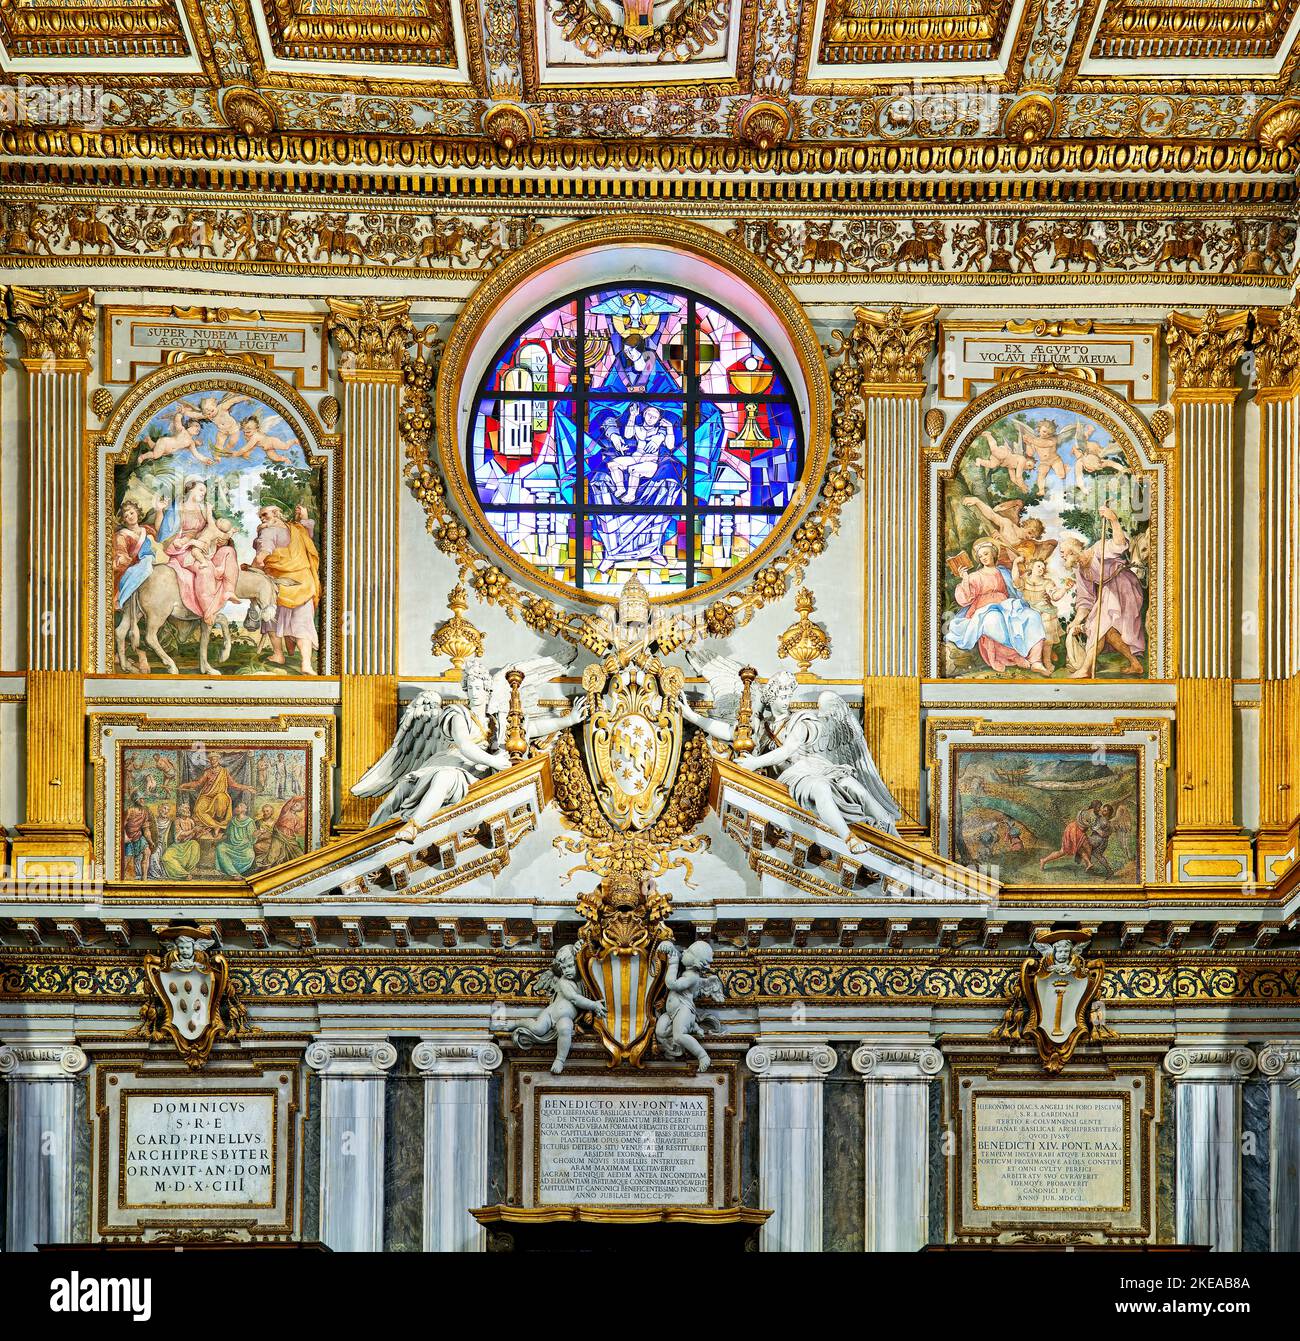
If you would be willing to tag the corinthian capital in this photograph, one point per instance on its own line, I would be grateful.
(1203, 351)
(372, 336)
(890, 348)
(1277, 345)
(53, 324)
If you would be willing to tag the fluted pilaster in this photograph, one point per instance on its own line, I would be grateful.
(1277, 365)
(891, 349)
(370, 338)
(57, 330)
(1203, 354)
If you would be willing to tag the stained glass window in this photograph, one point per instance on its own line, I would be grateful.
(634, 430)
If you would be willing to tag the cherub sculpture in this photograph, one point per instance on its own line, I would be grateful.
(820, 756)
(556, 1021)
(686, 978)
(441, 748)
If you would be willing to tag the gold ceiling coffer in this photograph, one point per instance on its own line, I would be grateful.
(371, 339)
(1203, 356)
(58, 330)
(887, 353)
(1277, 374)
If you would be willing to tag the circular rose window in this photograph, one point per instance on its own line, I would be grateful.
(637, 425)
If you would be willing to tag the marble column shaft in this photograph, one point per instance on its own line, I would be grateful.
(39, 1161)
(1280, 1062)
(352, 1074)
(456, 1139)
(790, 1141)
(1208, 1117)
(896, 1091)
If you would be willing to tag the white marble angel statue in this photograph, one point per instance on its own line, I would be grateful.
(442, 747)
(687, 977)
(820, 756)
(555, 1022)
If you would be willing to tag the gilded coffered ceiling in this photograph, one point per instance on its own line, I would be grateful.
(1059, 90)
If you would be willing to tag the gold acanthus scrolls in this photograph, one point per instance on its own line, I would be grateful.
(1203, 351)
(1277, 345)
(372, 336)
(53, 325)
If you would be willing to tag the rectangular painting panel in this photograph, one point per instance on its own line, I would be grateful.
(1054, 815)
(211, 811)
(179, 801)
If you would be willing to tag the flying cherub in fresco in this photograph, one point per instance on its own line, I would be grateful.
(1001, 455)
(1089, 457)
(218, 413)
(276, 449)
(1044, 443)
(182, 436)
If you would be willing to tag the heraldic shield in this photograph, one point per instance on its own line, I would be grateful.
(1059, 989)
(632, 740)
(620, 960)
(190, 990)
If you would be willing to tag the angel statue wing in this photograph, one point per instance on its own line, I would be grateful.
(206, 943)
(723, 675)
(840, 737)
(538, 673)
(419, 737)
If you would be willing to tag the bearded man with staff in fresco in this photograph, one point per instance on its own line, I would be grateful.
(1108, 600)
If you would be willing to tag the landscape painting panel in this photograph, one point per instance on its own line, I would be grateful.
(210, 811)
(1056, 816)
(216, 555)
(1047, 552)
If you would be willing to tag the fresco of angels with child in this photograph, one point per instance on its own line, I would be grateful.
(634, 432)
(1047, 532)
(216, 551)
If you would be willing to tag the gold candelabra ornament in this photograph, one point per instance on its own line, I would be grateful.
(742, 738)
(804, 642)
(457, 638)
(516, 742)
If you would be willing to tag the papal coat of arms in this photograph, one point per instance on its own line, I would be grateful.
(632, 737)
(192, 1001)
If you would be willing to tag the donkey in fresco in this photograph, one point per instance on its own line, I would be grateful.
(159, 600)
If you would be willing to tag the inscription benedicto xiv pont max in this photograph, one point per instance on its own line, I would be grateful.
(1050, 1153)
(190, 1150)
(623, 1149)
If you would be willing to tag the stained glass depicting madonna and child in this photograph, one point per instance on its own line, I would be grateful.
(662, 389)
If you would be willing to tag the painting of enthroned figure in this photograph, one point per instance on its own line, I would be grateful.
(630, 432)
(215, 539)
(1049, 523)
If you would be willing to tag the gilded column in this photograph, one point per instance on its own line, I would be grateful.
(57, 330)
(1277, 368)
(890, 350)
(371, 338)
(790, 1140)
(1203, 354)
